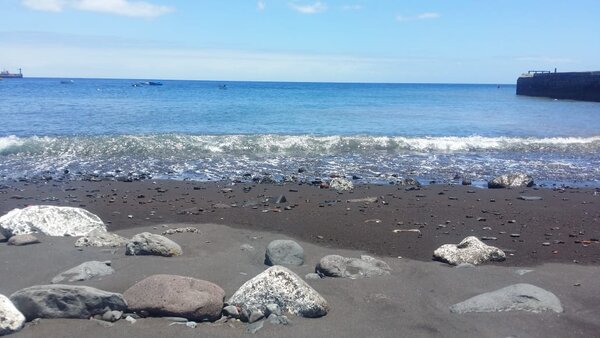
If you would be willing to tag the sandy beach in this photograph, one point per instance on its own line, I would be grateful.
(412, 301)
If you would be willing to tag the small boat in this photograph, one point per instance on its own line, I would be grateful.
(67, 82)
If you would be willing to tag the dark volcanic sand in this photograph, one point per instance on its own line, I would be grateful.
(566, 219)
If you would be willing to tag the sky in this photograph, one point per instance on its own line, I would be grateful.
(401, 41)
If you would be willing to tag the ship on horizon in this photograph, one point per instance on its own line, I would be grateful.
(5, 74)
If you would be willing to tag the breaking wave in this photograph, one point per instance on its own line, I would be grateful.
(193, 145)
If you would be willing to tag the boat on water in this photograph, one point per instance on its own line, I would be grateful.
(5, 74)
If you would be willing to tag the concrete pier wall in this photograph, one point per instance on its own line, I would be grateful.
(582, 86)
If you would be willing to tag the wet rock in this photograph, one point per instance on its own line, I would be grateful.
(341, 184)
(410, 182)
(281, 199)
(112, 316)
(180, 231)
(344, 267)
(284, 252)
(363, 200)
(312, 275)
(279, 285)
(85, 271)
(517, 297)
(11, 319)
(231, 311)
(171, 295)
(469, 250)
(99, 238)
(50, 220)
(511, 180)
(151, 244)
(20, 240)
(65, 301)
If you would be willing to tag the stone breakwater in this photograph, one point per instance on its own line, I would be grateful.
(582, 86)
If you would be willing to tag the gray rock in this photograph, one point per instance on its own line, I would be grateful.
(85, 271)
(170, 295)
(281, 199)
(112, 316)
(312, 275)
(130, 320)
(256, 315)
(98, 238)
(530, 198)
(273, 309)
(363, 200)
(410, 182)
(511, 180)
(50, 220)
(469, 250)
(151, 244)
(278, 320)
(517, 297)
(345, 267)
(231, 311)
(65, 301)
(284, 252)
(246, 247)
(20, 240)
(341, 184)
(278, 285)
(11, 319)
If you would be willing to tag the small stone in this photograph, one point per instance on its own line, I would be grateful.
(231, 311)
(272, 309)
(20, 240)
(312, 275)
(515, 235)
(130, 320)
(192, 325)
(546, 244)
(255, 316)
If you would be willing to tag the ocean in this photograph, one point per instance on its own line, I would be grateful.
(240, 131)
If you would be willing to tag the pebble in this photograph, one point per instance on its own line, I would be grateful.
(546, 244)
(515, 235)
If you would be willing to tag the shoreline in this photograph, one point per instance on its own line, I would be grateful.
(562, 227)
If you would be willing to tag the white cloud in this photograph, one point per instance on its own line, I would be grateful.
(352, 7)
(422, 16)
(119, 7)
(261, 5)
(314, 8)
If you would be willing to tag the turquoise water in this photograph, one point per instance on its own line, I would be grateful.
(379, 132)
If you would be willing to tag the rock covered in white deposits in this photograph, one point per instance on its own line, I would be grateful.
(11, 319)
(279, 285)
(50, 220)
(511, 180)
(517, 297)
(100, 238)
(347, 267)
(469, 250)
(341, 184)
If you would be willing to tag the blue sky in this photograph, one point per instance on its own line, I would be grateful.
(451, 41)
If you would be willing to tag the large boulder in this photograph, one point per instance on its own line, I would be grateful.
(50, 220)
(11, 319)
(178, 296)
(341, 184)
(517, 297)
(284, 252)
(511, 180)
(85, 271)
(151, 244)
(279, 285)
(347, 267)
(469, 250)
(65, 301)
(99, 238)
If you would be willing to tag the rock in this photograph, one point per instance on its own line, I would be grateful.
(171, 295)
(11, 319)
(50, 220)
(246, 247)
(279, 285)
(20, 240)
(85, 271)
(511, 180)
(363, 200)
(180, 230)
(278, 320)
(284, 252)
(273, 309)
(466, 181)
(469, 250)
(517, 297)
(254, 327)
(256, 315)
(344, 267)
(530, 198)
(130, 320)
(151, 244)
(112, 316)
(281, 199)
(410, 182)
(65, 301)
(99, 238)
(341, 184)
(312, 275)
(231, 311)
